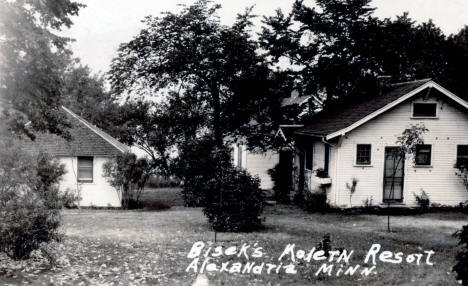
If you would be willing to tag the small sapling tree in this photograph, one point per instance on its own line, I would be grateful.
(352, 189)
(128, 174)
(407, 144)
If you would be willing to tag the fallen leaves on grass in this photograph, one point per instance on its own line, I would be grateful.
(86, 262)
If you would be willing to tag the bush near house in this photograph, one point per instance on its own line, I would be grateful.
(282, 185)
(231, 199)
(461, 268)
(315, 202)
(422, 200)
(128, 173)
(234, 200)
(30, 201)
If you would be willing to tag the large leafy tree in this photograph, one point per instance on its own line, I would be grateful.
(338, 50)
(210, 75)
(407, 51)
(457, 62)
(322, 45)
(32, 59)
(85, 93)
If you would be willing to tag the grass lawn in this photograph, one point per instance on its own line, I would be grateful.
(115, 247)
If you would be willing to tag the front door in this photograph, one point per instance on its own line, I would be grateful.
(393, 175)
(286, 167)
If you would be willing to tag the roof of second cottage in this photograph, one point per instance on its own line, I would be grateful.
(325, 124)
(295, 99)
(86, 140)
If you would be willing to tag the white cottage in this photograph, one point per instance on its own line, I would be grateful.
(357, 142)
(258, 163)
(83, 158)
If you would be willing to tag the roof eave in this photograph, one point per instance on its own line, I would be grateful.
(310, 134)
(379, 111)
(120, 147)
(429, 84)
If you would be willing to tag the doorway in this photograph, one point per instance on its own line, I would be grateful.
(393, 175)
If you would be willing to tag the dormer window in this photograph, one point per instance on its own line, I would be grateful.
(424, 110)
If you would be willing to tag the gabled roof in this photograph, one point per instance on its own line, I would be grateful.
(286, 130)
(294, 100)
(339, 123)
(87, 140)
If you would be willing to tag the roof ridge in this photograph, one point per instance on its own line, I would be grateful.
(412, 81)
(352, 116)
(101, 133)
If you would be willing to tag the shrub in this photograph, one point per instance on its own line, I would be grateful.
(30, 201)
(282, 186)
(463, 207)
(368, 202)
(231, 199)
(422, 200)
(234, 200)
(461, 268)
(128, 174)
(299, 198)
(315, 202)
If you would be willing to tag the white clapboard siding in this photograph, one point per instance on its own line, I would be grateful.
(439, 181)
(319, 155)
(98, 193)
(258, 164)
(332, 172)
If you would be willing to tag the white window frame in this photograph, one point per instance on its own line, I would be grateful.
(425, 117)
(80, 180)
(431, 159)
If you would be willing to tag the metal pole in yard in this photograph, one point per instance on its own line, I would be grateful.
(388, 223)
(388, 220)
(220, 207)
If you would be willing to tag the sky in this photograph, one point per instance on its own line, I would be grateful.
(104, 24)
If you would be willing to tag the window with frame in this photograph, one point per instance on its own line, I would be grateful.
(423, 155)
(462, 156)
(363, 154)
(85, 169)
(309, 157)
(425, 109)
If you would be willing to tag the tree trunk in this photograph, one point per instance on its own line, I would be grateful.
(217, 116)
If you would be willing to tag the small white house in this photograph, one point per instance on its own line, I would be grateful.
(358, 141)
(258, 163)
(83, 158)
